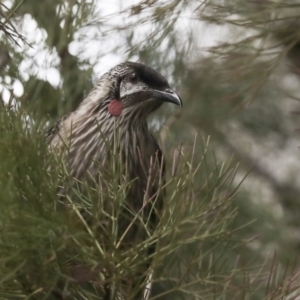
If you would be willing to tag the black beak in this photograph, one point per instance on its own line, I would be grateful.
(169, 96)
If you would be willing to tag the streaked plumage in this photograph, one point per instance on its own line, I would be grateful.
(88, 136)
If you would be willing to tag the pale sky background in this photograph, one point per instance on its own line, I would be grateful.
(105, 50)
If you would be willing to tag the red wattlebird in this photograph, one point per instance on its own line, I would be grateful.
(113, 119)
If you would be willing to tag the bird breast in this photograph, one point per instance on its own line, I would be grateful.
(111, 152)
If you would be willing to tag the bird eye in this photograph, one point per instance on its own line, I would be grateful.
(133, 77)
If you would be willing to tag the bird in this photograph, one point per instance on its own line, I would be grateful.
(109, 131)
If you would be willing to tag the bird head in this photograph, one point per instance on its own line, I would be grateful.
(132, 89)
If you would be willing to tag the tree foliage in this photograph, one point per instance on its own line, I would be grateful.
(223, 235)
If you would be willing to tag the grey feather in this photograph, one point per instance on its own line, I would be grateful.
(87, 136)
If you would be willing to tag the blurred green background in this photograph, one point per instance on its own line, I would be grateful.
(236, 65)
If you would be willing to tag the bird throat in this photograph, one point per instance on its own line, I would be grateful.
(115, 107)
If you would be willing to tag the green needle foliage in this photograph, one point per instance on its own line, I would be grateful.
(38, 239)
(48, 249)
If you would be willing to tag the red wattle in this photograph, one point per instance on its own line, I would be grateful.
(115, 107)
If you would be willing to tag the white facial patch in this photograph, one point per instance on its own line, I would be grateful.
(127, 88)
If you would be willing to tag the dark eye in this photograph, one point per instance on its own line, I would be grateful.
(133, 77)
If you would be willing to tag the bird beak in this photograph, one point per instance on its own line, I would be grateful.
(169, 96)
